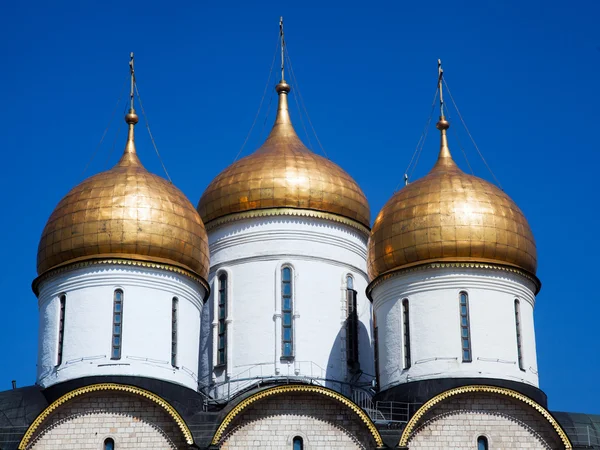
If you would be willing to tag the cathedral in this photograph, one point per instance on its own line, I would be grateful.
(275, 315)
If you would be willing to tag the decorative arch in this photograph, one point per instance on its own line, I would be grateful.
(106, 387)
(412, 423)
(298, 388)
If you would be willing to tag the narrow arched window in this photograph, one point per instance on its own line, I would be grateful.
(287, 314)
(174, 314)
(482, 443)
(222, 315)
(298, 443)
(351, 323)
(406, 333)
(61, 329)
(109, 444)
(376, 347)
(117, 334)
(465, 330)
(518, 330)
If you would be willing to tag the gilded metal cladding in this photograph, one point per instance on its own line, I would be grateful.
(127, 212)
(449, 215)
(283, 173)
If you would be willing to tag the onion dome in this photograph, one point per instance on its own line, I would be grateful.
(450, 216)
(125, 213)
(284, 174)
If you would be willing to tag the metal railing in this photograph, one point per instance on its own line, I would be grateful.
(305, 372)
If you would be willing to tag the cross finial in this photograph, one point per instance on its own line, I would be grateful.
(440, 78)
(282, 47)
(132, 73)
(131, 118)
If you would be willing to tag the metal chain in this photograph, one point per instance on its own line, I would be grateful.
(112, 116)
(302, 102)
(471, 137)
(421, 142)
(261, 103)
(150, 133)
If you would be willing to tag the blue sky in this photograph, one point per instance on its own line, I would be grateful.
(524, 75)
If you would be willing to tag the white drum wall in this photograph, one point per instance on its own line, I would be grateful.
(434, 323)
(146, 338)
(252, 252)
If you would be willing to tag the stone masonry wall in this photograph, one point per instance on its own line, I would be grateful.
(131, 421)
(322, 423)
(506, 423)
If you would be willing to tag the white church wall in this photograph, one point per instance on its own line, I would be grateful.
(435, 331)
(146, 329)
(321, 254)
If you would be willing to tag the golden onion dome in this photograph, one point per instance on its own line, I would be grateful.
(450, 216)
(125, 213)
(283, 173)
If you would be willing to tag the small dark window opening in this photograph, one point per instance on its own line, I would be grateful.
(109, 444)
(117, 334)
(298, 443)
(465, 328)
(482, 443)
(376, 348)
(519, 338)
(222, 312)
(61, 329)
(351, 325)
(406, 333)
(174, 314)
(287, 314)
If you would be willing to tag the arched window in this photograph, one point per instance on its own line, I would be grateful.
(298, 443)
(406, 333)
(376, 347)
(465, 330)
(518, 329)
(482, 443)
(109, 444)
(351, 323)
(174, 314)
(287, 314)
(117, 341)
(222, 315)
(61, 329)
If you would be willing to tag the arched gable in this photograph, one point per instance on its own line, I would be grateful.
(105, 387)
(417, 418)
(297, 388)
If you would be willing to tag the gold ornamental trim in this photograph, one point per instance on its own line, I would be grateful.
(106, 387)
(117, 261)
(412, 423)
(452, 264)
(297, 388)
(297, 212)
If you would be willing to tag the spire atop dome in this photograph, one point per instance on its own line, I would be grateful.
(283, 175)
(283, 123)
(444, 157)
(282, 37)
(129, 157)
(132, 215)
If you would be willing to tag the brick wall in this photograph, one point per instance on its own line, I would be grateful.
(85, 422)
(272, 424)
(506, 423)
